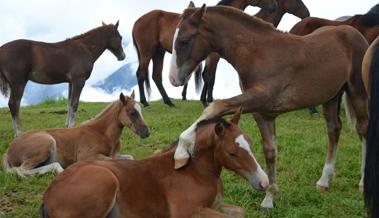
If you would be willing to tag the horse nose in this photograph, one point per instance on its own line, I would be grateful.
(145, 133)
(173, 81)
(121, 56)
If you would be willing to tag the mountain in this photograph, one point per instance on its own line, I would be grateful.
(122, 79)
(35, 93)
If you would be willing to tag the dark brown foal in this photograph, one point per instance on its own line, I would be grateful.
(68, 61)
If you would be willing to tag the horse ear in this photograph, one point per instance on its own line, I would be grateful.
(102, 22)
(122, 98)
(219, 129)
(199, 13)
(236, 116)
(116, 25)
(132, 95)
(191, 5)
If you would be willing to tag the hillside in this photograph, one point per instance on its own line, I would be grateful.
(302, 143)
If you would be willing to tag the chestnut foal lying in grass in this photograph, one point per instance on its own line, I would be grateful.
(42, 151)
(151, 187)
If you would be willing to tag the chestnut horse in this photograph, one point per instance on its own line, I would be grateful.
(152, 188)
(69, 61)
(320, 68)
(295, 7)
(152, 37)
(370, 71)
(39, 152)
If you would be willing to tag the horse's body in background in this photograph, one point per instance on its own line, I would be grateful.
(152, 37)
(322, 66)
(38, 152)
(152, 188)
(370, 72)
(69, 61)
(294, 7)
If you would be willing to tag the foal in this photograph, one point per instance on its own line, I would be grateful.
(152, 188)
(68, 61)
(38, 152)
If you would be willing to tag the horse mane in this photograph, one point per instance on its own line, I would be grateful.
(103, 112)
(86, 33)
(374, 9)
(370, 19)
(244, 19)
(225, 123)
(224, 2)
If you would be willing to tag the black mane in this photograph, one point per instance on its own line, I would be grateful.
(213, 120)
(374, 10)
(370, 19)
(224, 2)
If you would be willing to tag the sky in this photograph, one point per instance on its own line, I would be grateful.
(53, 20)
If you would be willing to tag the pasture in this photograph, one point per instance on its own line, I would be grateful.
(302, 144)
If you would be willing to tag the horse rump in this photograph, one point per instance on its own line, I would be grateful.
(371, 178)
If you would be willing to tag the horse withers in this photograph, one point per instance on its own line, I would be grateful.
(152, 188)
(322, 66)
(68, 61)
(38, 152)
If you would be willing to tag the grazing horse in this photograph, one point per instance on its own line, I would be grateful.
(39, 152)
(69, 61)
(370, 71)
(152, 188)
(152, 37)
(295, 7)
(320, 68)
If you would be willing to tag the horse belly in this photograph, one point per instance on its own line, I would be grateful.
(48, 77)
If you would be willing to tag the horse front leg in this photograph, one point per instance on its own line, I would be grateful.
(266, 127)
(76, 90)
(250, 101)
(14, 105)
(69, 103)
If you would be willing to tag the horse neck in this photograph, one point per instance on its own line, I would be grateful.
(108, 123)
(240, 4)
(95, 41)
(274, 17)
(232, 36)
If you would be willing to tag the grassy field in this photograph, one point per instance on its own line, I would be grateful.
(302, 145)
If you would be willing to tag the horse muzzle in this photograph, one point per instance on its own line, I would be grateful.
(144, 132)
(258, 179)
(121, 56)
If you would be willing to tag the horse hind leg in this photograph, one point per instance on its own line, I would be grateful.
(333, 122)
(76, 90)
(142, 76)
(14, 105)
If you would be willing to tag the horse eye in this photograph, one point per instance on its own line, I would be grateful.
(232, 154)
(185, 41)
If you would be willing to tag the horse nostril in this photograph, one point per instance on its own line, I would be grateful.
(145, 133)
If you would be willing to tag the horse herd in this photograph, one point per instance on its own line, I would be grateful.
(318, 62)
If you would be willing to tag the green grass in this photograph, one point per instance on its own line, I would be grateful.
(302, 145)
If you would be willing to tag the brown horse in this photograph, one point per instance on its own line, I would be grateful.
(152, 37)
(295, 7)
(370, 71)
(320, 68)
(151, 187)
(39, 152)
(69, 61)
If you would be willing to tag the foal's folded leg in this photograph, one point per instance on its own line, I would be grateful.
(209, 213)
(53, 167)
(232, 210)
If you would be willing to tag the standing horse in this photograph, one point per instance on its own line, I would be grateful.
(39, 152)
(69, 61)
(295, 7)
(152, 37)
(320, 68)
(370, 72)
(151, 188)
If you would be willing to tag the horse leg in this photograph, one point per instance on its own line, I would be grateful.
(314, 112)
(266, 127)
(184, 92)
(212, 67)
(77, 88)
(203, 97)
(14, 105)
(333, 123)
(157, 76)
(68, 103)
(142, 74)
(52, 167)
(124, 157)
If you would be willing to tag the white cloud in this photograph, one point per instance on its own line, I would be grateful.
(50, 21)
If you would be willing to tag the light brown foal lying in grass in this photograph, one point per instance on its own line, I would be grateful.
(151, 187)
(38, 152)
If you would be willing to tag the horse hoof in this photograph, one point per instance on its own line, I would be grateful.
(321, 188)
(145, 104)
(170, 104)
(361, 188)
(266, 209)
(184, 99)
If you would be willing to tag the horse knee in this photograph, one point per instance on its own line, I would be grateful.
(270, 153)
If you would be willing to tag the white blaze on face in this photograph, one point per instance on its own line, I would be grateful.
(262, 176)
(173, 75)
(138, 108)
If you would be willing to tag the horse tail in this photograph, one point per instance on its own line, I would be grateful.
(4, 85)
(350, 112)
(147, 79)
(43, 211)
(371, 178)
(198, 79)
(6, 165)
